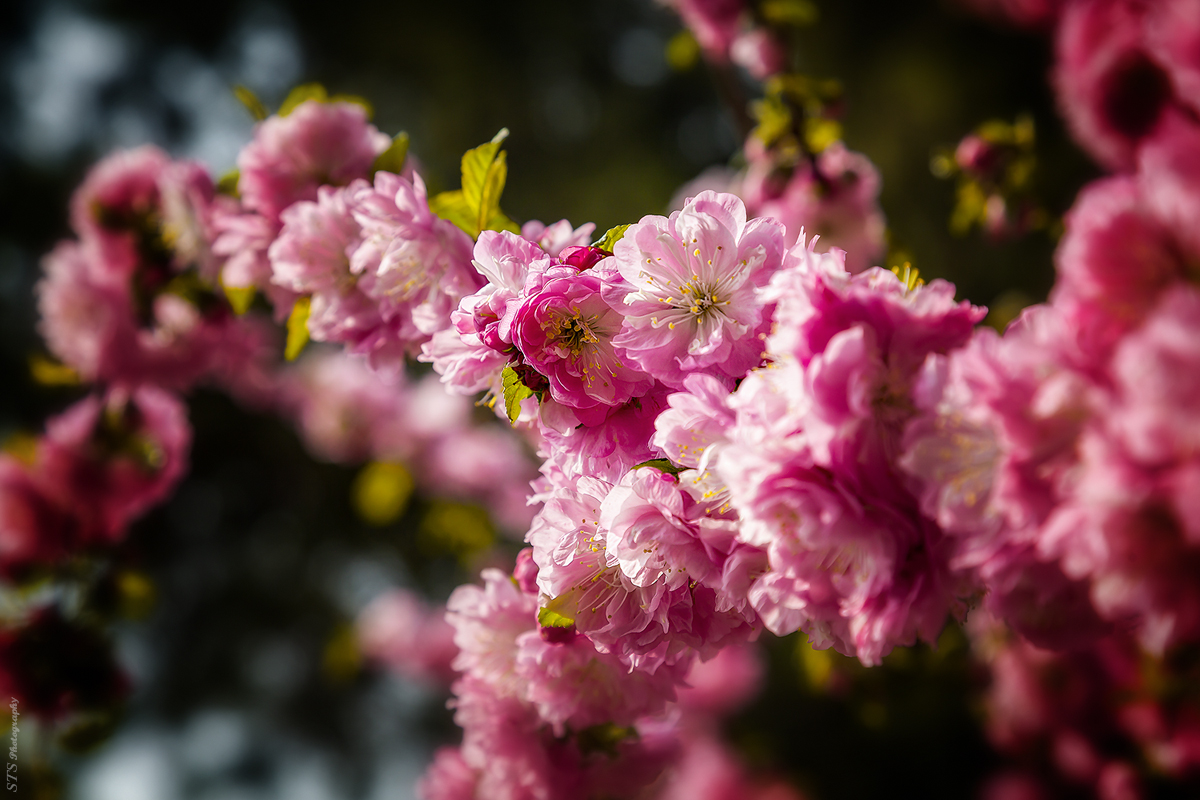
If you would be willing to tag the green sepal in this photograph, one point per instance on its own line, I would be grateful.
(663, 465)
(515, 391)
(559, 612)
(392, 159)
(610, 239)
(297, 328)
(249, 99)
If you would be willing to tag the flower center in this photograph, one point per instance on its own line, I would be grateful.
(575, 331)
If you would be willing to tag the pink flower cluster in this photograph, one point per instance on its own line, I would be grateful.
(99, 465)
(778, 504)
(1062, 457)
(1082, 719)
(132, 301)
(545, 714)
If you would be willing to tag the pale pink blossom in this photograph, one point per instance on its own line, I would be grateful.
(414, 265)
(686, 289)
(400, 631)
(317, 144)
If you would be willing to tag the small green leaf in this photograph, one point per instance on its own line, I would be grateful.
(303, 92)
(453, 207)
(790, 12)
(240, 297)
(392, 159)
(228, 183)
(297, 327)
(515, 391)
(608, 240)
(484, 172)
(663, 465)
(476, 207)
(249, 99)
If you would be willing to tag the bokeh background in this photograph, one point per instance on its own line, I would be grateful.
(246, 685)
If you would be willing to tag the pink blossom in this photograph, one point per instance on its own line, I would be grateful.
(111, 459)
(610, 449)
(487, 623)
(243, 238)
(724, 683)
(759, 53)
(414, 265)
(1173, 36)
(345, 412)
(646, 626)
(565, 331)
(399, 630)
(1115, 259)
(556, 237)
(138, 205)
(1169, 179)
(34, 527)
(1111, 86)
(659, 534)
(449, 777)
(571, 684)
(686, 286)
(715, 23)
(707, 770)
(697, 423)
(317, 144)
(835, 198)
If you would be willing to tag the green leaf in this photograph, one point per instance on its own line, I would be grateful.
(297, 327)
(476, 207)
(484, 172)
(663, 465)
(515, 391)
(249, 99)
(302, 93)
(790, 12)
(240, 297)
(392, 159)
(608, 240)
(453, 207)
(228, 183)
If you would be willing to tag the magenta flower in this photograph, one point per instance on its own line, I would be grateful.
(111, 459)
(565, 329)
(686, 288)
(317, 144)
